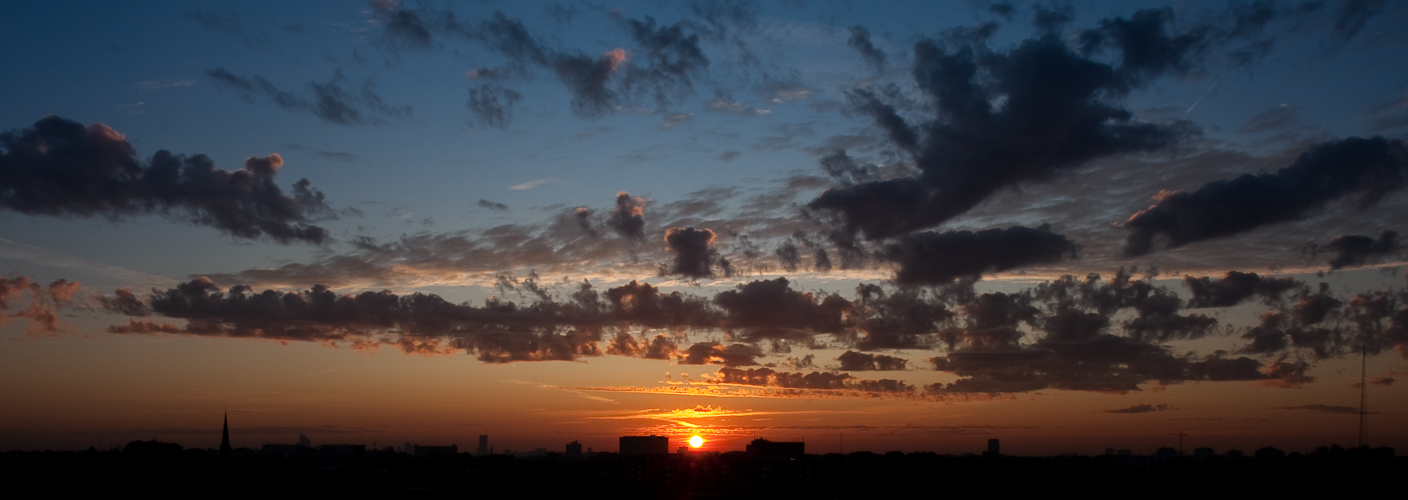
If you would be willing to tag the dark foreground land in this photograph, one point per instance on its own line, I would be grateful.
(159, 468)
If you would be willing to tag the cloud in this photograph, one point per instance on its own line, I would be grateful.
(1142, 408)
(673, 120)
(771, 309)
(493, 205)
(1234, 287)
(694, 258)
(714, 353)
(337, 156)
(1066, 334)
(860, 40)
(1006, 117)
(401, 26)
(1279, 118)
(1355, 250)
(37, 304)
(61, 168)
(671, 60)
(1366, 168)
(628, 217)
(664, 71)
(859, 362)
(659, 347)
(937, 258)
(159, 85)
(332, 101)
(530, 184)
(788, 256)
(1323, 408)
(1352, 17)
(491, 104)
(729, 106)
(229, 24)
(1146, 49)
(820, 381)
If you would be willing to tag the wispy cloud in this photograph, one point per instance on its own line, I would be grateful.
(530, 184)
(157, 85)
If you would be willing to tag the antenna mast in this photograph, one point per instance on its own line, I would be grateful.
(1364, 395)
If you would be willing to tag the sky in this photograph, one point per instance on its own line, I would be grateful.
(908, 226)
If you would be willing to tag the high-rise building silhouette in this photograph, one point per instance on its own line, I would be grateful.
(574, 449)
(225, 449)
(483, 444)
(994, 448)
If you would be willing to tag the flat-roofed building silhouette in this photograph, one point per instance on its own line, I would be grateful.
(483, 445)
(765, 448)
(645, 445)
(574, 449)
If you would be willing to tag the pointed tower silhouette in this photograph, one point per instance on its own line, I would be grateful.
(225, 437)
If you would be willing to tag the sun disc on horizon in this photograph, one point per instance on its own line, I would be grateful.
(696, 441)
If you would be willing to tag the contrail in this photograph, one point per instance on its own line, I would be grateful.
(1200, 98)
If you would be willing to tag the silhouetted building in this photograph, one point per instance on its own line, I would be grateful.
(483, 445)
(343, 450)
(1164, 454)
(994, 448)
(765, 448)
(436, 451)
(645, 445)
(574, 449)
(1203, 453)
(225, 449)
(304, 441)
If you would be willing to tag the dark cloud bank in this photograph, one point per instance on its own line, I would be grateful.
(1072, 333)
(1006, 117)
(61, 168)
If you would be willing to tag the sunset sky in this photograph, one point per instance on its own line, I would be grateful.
(1069, 226)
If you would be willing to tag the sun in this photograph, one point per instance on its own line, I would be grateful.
(696, 441)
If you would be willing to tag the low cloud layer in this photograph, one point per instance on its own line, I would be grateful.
(1071, 334)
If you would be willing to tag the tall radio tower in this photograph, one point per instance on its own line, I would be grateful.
(1364, 395)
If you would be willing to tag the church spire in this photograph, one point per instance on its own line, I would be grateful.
(225, 437)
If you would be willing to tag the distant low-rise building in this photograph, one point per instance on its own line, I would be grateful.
(574, 449)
